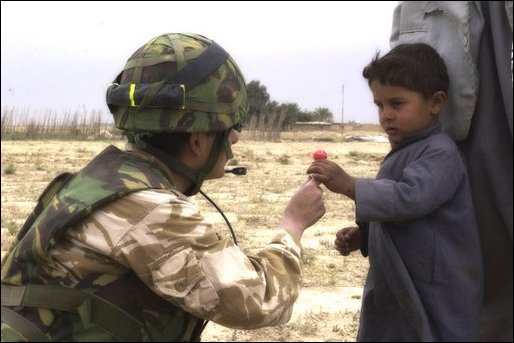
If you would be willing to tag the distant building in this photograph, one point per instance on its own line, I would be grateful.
(316, 126)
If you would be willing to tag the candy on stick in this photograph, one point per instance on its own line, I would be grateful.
(319, 154)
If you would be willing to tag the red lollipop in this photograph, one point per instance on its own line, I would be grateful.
(319, 154)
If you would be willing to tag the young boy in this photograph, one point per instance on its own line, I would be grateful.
(425, 279)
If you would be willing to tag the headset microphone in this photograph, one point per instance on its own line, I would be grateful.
(237, 171)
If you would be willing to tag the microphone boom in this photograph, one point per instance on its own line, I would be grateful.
(237, 171)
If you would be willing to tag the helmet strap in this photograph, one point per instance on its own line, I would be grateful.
(227, 147)
(195, 176)
(211, 162)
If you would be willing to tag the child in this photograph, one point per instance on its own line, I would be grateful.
(425, 278)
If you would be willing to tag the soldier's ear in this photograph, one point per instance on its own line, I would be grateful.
(200, 144)
(195, 145)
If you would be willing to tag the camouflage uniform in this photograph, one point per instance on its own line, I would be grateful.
(117, 253)
(160, 237)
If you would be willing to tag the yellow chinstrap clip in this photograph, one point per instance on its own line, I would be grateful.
(183, 87)
(132, 90)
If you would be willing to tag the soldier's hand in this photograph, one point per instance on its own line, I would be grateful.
(305, 208)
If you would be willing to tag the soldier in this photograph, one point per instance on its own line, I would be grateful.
(118, 251)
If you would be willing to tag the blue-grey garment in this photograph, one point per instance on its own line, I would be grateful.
(489, 156)
(475, 40)
(455, 29)
(425, 280)
(445, 26)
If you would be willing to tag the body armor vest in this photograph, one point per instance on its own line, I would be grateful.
(124, 309)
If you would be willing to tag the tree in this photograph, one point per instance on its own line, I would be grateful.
(271, 107)
(290, 110)
(264, 112)
(258, 97)
(323, 114)
(304, 116)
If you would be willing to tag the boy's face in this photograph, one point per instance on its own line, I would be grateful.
(403, 112)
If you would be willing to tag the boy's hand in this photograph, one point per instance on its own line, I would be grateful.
(333, 177)
(349, 239)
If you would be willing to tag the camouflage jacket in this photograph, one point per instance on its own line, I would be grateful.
(156, 239)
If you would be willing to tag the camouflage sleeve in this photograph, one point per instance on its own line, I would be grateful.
(165, 240)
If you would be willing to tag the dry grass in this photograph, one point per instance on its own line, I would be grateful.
(81, 124)
(328, 307)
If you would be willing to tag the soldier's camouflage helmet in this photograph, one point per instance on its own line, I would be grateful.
(178, 82)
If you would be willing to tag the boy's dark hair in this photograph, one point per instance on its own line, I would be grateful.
(417, 67)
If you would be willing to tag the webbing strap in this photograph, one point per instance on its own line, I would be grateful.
(89, 307)
(177, 45)
(23, 325)
(195, 71)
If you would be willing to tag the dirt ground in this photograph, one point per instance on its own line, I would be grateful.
(328, 306)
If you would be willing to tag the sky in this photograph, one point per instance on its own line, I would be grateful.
(61, 56)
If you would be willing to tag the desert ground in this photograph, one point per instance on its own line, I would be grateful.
(329, 303)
